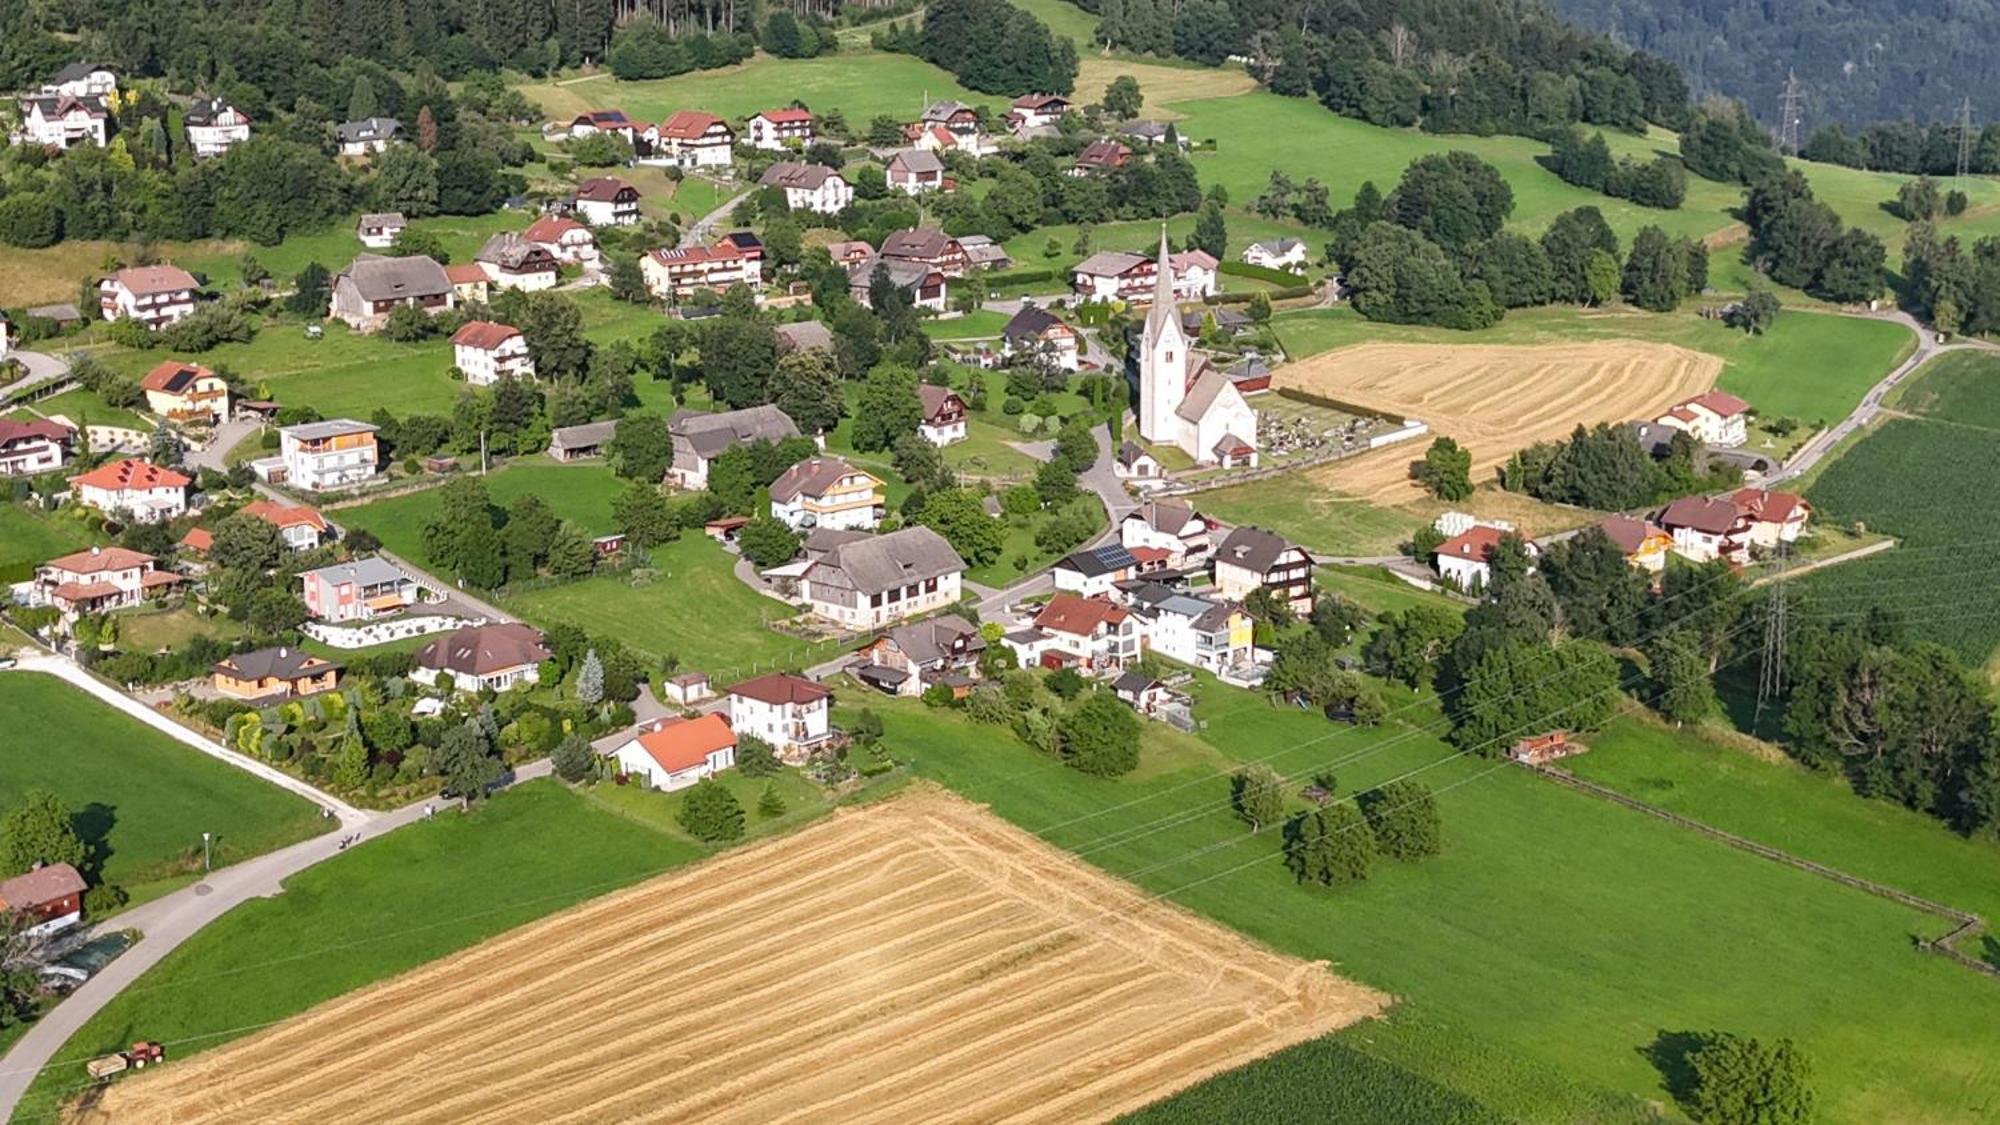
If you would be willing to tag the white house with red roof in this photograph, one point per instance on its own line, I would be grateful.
(793, 714)
(486, 352)
(564, 238)
(692, 138)
(35, 446)
(1706, 528)
(674, 272)
(155, 296)
(1716, 418)
(809, 187)
(186, 392)
(607, 201)
(1092, 634)
(1036, 111)
(1774, 517)
(675, 752)
(134, 489)
(302, 528)
(1466, 559)
(98, 580)
(1115, 275)
(614, 121)
(775, 129)
(1100, 156)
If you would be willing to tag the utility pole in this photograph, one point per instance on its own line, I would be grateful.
(1791, 106)
(1965, 137)
(1771, 671)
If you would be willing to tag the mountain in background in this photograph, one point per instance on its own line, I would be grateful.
(1859, 62)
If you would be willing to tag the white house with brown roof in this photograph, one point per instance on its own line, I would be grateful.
(486, 352)
(63, 121)
(99, 580)
(372, 287)
(692, 138)
(677, 271)
(214, 126)
(879, 579)
(155, 296)
(1169, 524)
(1249, 559)
(607, 201)
(676, 752)
(1706, 528)
(918, 654)
(133, 489)
(377, 230)
(1095, 635)
(1100, 157)
(827, 492)
(943, 420)
(1774, 517)
(302, 528)
(809, 187)
(35, 446)
(926, 246)
(564, 238)
(793, 714)
(778, 129)
(914, 171)
(1037, 111)
(513, 262)
(478, 657)
(1716, 418)
(186, 392)
(1115, 275)
(1042, 336)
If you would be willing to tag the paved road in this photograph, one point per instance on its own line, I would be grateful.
(698, 234)
(224, 439)
(41, 368)
(1871, 403)
(1102, 479)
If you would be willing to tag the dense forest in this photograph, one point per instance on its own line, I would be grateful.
(1858, 62)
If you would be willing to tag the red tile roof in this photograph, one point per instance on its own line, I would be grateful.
(779, 688)
(174, 377)
(40, 887)
(551, 228)
(1477, 543)
(100, 559)
(198, 539)
(141, 280)
(688, 124)
(1078, 616)
(132, 473)
(789, 116)
(603, 189)
(465, 273)
(1769, 507)
(285, 515)
(484, 334)
(1719, 402)
(680, 744)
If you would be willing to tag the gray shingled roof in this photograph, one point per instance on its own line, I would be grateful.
(1252, 548)
(584, 436)
(803, 336)
(273, 663)
(928, 640)
(883, 562)
(917, 160)
(368, 129)
(378, 278)
(710, 434)
(810, 477)
(792, 174)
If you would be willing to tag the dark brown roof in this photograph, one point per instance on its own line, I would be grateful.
(484, 334)
(937, 400)
(1252, 548)
(779, 688)
(483, 649)
(273, 663)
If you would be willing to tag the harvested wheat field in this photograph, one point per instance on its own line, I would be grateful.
(915, 960)
(1493, 399)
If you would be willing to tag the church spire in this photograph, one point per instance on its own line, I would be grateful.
(1163, 290)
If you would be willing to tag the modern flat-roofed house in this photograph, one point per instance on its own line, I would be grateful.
(370, 134)
(675, 752)
(378, 230)
(316, 456)
(1644, 543)
(1041, 334)
(827, 492)
(700, 438)
(372, 287)
(35, 446)
(1706, 529)
(186, 392)
(563, 237)
(1277, 254)
(478, 657)
(674, 272)
(606, 201)
(776, 129)
(943, 419)
(1250, 559)
(613, 121)
(133, 489)
(693, 139)
(914, 171)
(1037, 111)
(513, 262)
(1114, 275)
(301, 528)
(155, 296)
(45, 901)
(213, 126)
(927, 246)
(809, 187)
(928, 288)
(487, 352)
(357, 591)
(1715, 418)
(82, 80)
(98, 580)
(791, 713)
(273, 673)
(1101, 157)
(874, 581)
(915, 655)
(1170, 524)
(574, 443)
(63, 121)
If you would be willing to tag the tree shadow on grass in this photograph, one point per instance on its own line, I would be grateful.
(93, 824)
(1668, 1052)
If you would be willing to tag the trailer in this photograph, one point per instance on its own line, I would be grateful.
(142, 1054)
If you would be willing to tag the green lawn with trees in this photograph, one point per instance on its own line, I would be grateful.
(140, 800)
(29, 536)
(861, 84)
(580, 493)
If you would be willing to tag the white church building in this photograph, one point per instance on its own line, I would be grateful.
(1184, 400)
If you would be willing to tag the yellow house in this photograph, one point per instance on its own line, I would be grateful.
(273, 673)
(1646, 544)
(186, 392)
(827, 492)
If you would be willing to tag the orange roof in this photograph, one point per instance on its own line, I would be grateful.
(132, 473)
(688, 124)
(198, 539)
(100, 559)
(789, 116)
(175, 377)
(1078, 616)
(680, 744)
(1151, 554)
(484, 334)
(285, 515)
(85, 591)
(1769, 507)
(144, 280)
(551, 228)
(1477, 543)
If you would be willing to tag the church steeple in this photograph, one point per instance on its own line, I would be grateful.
(1163, 289)
(1163, 358)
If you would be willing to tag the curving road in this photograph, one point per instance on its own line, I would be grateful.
(41, 367)
(1870, 407)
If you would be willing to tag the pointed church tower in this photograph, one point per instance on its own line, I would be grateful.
(1163, 359)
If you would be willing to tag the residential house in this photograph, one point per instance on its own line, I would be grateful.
(273, 673)
(213, 126)
(848, 253)
(959, 119)
(1466, 559)
(133, 489)
(1114, 275)
(35, 446)
(606, 201)
(1251, 559)
(693, 139)
(675, 272)
(1140, 692)
(613, 121)
(186, 392)
(370, 134)
(914, 171)
(302, 528)
(1288, 254)
(377, 230)
(1645, 544)
(574, 443)
(700, 438)
(45, 901)
(827, 492)
(1036, 111)
(809, 187)
(778, 129)
(155, 296)
(943, 419)
(981, 252)
(927, 287)
(675, 752)
(1094, 571)
(82, 80)
(794, 715)
(513, 262)
(357, 591)
(1715, 418)
(687, 688)
(63, 121)
(1096, 635)
(1042, 335)
(1171, 525)
(316, 456)
(804, 336)
(871, 582)
(479, 657)
(1774, 517)
(486, 352)
(916, 655)
(1134, 463)
(99, 580)
(564, 238)
(1207, 633)
(1706, 529)
(1152, 133)
(372, 287)
(1101, 156)
(926, 246)
(469, 283)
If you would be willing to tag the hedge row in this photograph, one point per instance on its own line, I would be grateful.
(1260, 273)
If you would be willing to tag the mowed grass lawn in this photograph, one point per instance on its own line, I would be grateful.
(1556, 934)
(580, 493)
(82, 408)
(861, 84)
(141, 799)
(29, 536)
(424, 891)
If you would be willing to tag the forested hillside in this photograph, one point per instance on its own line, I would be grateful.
(1859, 61)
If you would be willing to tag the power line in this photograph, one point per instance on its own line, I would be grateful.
(1771, 671)
(1965, 137)
(1791, 113)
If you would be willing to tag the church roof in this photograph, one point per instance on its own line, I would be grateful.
(1164, 312)
(1201, 397)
